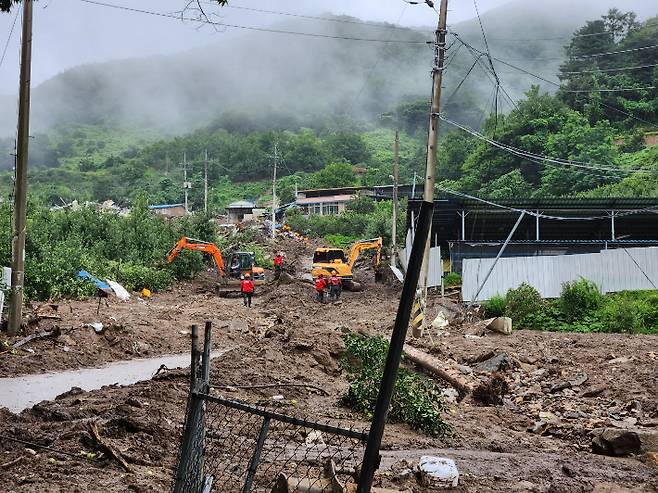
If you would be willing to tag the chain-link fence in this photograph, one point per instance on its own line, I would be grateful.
(230, 446)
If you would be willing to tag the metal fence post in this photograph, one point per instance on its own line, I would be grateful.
(371, 455)
(189, 471)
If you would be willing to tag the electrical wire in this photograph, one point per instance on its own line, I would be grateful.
(11, 32)
(250, 28)
(557, 84)
(311, 17)
(532, 156)
(619, 69)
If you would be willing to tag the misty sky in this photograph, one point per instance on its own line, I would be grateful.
(69, 32)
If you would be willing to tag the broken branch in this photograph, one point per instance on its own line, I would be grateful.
(105, 445)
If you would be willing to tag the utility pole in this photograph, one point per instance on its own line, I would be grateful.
(276, 158)
(396, 177)
(371, 456)
(205, 183)
(20, 197)
(433, 135)
(186, 184)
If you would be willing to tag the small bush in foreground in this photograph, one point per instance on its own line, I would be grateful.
(416, 400)
(452, 279)
(524, 304)
(495, 307)
(579, 298)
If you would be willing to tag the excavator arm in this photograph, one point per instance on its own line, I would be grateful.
(360, 246)
(186, 243)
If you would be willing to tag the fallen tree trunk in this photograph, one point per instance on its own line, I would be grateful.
(446, 371)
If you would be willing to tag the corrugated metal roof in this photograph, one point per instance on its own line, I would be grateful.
(241, 204)
(324, 200)
(165, 206)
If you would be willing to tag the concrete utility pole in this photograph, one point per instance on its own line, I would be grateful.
(276, 158)
(205, 183)
(396, 179)
(186, 184)
(433, 134)
(20, 198)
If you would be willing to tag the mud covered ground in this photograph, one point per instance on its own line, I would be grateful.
(538, 439)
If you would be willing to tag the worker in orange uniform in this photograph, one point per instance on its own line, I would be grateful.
(334, 286)
(278, 265)
(247, 290)
(320, 284)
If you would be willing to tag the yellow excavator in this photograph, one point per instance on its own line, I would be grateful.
(327, 259)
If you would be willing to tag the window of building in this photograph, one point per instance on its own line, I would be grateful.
(330, 209)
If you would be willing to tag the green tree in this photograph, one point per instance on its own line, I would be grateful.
(346, 146)
(335, 175)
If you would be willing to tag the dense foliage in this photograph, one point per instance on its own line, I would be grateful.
(350, 226)
(580, 308)
(416, 399)
(130, 250)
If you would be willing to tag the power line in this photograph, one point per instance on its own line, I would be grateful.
(586, 35)
(619, 69)
(312, 17)
(11, 31)
(250, 28)
(532, 156)
(557, 84)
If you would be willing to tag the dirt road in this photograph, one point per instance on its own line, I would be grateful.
(538, 439)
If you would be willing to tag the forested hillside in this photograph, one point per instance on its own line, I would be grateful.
(580, 131)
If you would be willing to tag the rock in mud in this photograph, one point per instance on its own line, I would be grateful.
(616, 442)
(500, 361)
(324, 359)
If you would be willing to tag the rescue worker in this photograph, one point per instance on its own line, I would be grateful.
(334, 286)
(278, 265)
(247, 290)
(320, 284)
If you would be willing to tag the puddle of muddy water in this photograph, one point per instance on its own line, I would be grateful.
(19, 393)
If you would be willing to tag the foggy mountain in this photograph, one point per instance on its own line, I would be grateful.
(306, 81)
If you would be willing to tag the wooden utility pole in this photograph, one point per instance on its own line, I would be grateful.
(205, 182)
(20, 196)
(276, 158)
(433, 134)
(396, 178)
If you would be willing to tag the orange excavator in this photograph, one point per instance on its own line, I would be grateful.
(239, 263)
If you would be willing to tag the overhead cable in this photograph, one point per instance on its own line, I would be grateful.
(251, 28)
(526, 154)
(11, 32)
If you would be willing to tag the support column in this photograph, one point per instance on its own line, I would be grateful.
(612, 225)
(537, 226)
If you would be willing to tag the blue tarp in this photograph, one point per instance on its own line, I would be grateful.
(83, 274)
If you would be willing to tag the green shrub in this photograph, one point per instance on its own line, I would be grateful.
(523, 305)
(340, 241)
(621, 313)
(452, 279)
(495, 307)
(416, 399)
(579, 298)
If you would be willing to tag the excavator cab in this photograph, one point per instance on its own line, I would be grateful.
(229, 270)
(240, 263)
